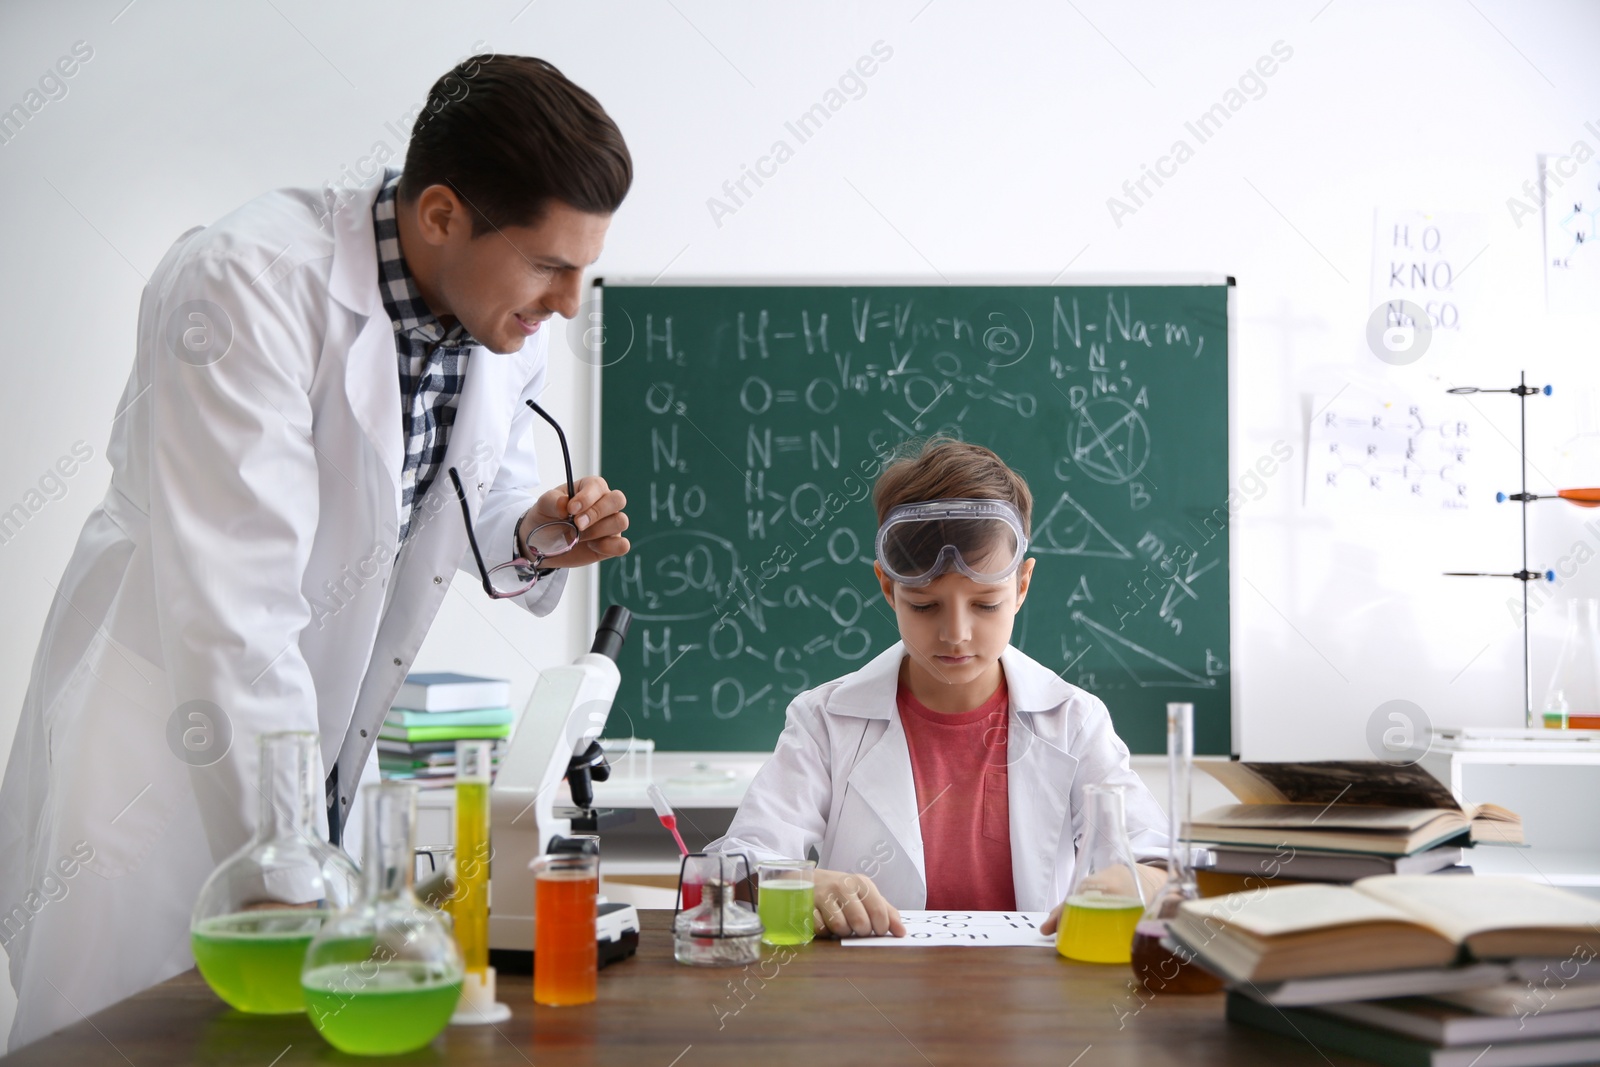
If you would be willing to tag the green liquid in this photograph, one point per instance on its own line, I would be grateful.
(374, 1009)
(252, 959)
(785, 908)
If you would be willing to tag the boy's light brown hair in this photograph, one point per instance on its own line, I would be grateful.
(943, 468)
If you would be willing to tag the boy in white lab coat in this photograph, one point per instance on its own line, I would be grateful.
(949, 772)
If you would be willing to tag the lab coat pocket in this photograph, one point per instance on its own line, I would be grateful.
(996, 807)
(116, 783)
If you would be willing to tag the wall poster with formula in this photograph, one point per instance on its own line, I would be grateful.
(746, 425)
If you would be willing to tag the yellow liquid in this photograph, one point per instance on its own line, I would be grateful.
(469, 907)
(1098, 928)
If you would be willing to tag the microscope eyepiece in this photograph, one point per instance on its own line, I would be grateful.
(613, 631)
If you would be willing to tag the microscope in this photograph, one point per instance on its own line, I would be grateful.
(558, 739)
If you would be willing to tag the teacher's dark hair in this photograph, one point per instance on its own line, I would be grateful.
(509, 134)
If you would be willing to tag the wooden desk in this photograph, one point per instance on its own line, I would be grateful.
(829, 1005)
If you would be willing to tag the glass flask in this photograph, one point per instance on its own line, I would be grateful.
(383, 975)
(261, 907)
(1105, 900)
(1573, 696)
(719, 930)
(1159, 970)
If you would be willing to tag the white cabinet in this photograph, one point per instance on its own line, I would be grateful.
(1550, 778)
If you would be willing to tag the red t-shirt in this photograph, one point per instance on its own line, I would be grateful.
(959, 765)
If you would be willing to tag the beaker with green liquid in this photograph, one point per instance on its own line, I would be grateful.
(260, 908)
(383, 976)
(1105, 899)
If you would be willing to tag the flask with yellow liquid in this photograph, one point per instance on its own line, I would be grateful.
(1105, 900)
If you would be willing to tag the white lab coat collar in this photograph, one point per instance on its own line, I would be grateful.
(370, 363)
(353, 282)
(869, 693)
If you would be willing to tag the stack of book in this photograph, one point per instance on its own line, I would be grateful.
(1407, 969)
(430, 714)
(1337, 821)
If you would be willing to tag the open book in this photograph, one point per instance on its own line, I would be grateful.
(1337, 786)
(1391, 922)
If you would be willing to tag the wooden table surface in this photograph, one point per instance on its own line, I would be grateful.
(828, 1005)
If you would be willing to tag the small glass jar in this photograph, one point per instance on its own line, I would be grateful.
(718, 932)
(566, 890)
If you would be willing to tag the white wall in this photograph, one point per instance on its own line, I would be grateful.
(988, 144)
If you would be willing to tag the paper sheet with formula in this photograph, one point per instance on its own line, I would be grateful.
(978, 928)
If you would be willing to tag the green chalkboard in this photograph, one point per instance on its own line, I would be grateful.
(745, 423)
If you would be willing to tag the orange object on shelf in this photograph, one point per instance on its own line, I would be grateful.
(1583, 722)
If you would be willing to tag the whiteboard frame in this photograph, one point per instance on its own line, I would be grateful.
(1234, 432)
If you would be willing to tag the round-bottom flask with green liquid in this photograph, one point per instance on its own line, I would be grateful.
(258, 911)
(389, 1009)
(252, 959)
(383, 976)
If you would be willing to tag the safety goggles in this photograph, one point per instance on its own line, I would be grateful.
(982, 539)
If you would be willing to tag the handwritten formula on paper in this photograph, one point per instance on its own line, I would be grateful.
(1400, 454)
(1422, 258)
(970, 928)
(1571, 186)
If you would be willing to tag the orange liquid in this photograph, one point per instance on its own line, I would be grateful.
(1160, 971)
(565, 958)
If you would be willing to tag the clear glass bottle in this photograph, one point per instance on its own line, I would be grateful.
(1159, 970)
(566, 892)
(383, 976)
(718, 930)
(1573, 696)
(260, 908)
(1105, 900)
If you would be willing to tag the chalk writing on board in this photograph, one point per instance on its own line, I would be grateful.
(1145, 667)
(1070, 530)
(1110, 441)
(749, 425)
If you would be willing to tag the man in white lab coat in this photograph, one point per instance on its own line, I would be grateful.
(281, 528)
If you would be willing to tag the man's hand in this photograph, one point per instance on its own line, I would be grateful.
(597, 512)
(1115, 880)
(849, 904)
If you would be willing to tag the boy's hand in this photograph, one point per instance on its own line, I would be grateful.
(850, 905)
(1114, 880)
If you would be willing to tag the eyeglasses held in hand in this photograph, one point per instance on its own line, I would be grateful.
(547, 539)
